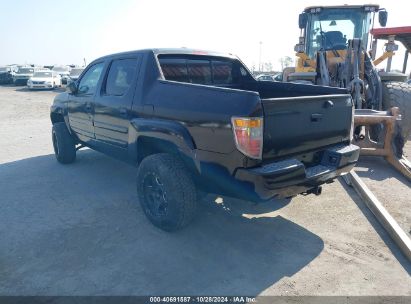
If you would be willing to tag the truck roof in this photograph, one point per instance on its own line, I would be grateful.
(374, 6)
(182, 51)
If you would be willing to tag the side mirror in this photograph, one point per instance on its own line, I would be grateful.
(302, 20)
(72, 87)
(382, 18)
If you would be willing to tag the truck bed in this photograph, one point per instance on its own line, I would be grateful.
(297, 117)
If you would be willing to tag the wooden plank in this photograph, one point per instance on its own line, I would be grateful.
(382, 215)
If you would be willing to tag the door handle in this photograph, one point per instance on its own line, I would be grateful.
(88, 106)
(316, 117)
(328, 104)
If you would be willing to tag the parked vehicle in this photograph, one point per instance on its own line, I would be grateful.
(63, 71)
(278, 77)
(74, 74)
(22, 75)
(264, 77)
(44, 79)
(6, 75)
(196, 121)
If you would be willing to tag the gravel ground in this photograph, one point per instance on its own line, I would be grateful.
(78, 230)
(390, 187)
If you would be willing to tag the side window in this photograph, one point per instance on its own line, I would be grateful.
(174, 69)
(199, 71)
(222, 72)
(88, 82)
(120, 76)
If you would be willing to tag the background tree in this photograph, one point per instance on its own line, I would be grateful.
(286, 61)
(268, 66)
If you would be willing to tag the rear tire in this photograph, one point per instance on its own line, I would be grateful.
(398, 94)
(63, 144)
(166, 191)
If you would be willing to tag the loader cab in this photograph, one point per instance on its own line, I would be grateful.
(330, 28)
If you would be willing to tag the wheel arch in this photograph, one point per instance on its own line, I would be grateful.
(152, 136)
(56, 117)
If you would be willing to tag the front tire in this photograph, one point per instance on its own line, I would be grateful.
(63, 144)
(166, 191)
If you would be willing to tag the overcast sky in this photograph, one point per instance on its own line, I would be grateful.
(65, 32)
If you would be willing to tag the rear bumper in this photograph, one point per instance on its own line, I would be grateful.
(40, 86)
(290, 177)
(20, 81)
(6, 79)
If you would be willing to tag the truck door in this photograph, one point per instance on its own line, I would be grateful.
(112, 107)
(80, 105)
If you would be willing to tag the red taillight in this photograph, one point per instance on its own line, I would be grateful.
(248, 134)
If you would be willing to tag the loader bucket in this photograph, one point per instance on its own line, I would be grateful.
(387, 147)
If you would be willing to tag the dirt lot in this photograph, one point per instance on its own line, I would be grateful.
(78, 230)
(390, 187)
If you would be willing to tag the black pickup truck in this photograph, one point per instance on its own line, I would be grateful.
(198, 122)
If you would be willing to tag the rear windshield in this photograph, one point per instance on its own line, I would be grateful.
(25, 71)
(42, 74)
(202, 69)
(61, 69)
(76, 72)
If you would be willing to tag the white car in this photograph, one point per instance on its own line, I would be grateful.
(44, 80)
(63, 71)
(74, 74)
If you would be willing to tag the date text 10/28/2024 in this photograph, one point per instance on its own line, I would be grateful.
(203, 299)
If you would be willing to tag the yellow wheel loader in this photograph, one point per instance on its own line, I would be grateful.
(333, 51)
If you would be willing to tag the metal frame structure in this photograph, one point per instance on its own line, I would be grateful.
(368, 118)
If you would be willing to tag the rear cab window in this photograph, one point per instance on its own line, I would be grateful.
(120, 76)
(206, 70)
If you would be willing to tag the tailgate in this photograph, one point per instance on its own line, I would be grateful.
(298, 124)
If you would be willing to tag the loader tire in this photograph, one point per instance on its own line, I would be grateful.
(398, 94)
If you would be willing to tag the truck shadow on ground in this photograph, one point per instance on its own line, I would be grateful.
(78, 230)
